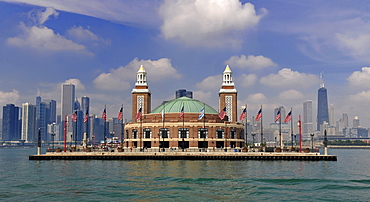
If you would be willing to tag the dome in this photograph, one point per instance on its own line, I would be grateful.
(190, 106)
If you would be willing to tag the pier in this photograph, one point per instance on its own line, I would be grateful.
(179, 155)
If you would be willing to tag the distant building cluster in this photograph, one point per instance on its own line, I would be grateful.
(74, 122)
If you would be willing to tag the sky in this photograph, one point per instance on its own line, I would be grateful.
(276, 50)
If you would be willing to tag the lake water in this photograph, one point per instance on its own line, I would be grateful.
(347, 179)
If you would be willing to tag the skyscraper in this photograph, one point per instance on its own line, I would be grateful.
(356, 122)
(331, 115)
(85, 103)
(68, 101)
(184, 93)
(29, 128)
(11, 123)
(322, 106)
(307, 124)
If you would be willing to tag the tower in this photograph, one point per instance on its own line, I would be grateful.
(11, 123)
(68, 99)
(29, 129)
(228, 95)
(307, 124)
(141, 96)
(322, 106)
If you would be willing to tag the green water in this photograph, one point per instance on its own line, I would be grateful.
(347, 179)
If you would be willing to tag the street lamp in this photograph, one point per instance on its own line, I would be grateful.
(312, 140)
(253, 134)
(53, 134)
(112, 135)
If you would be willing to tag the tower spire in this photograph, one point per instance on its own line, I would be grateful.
(322, 80)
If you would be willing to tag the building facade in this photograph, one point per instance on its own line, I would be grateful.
(178, 123)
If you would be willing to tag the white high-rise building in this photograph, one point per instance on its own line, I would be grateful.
(68, 101)
(331, 115)
(29, 129)
(307, 124)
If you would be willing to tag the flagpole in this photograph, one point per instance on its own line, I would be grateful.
(281, 141)
(204, 126)
(122, 129)
(183, 127)
(261, 128)
(291, 125)
(87, 126)
(246, 126)
(141, 132)
(76, 130)
(163, 116)
(105, 132)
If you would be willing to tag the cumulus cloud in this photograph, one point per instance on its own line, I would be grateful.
(78, 84)
(203, 96)
(208, 23)
(210, 82)
(247, 80)
(40, 37)
(291, 95)
(286, 78)
(82, 35)
(251, 62)
(257, 98)
(8, 97)
(360, 78)
(117, 79)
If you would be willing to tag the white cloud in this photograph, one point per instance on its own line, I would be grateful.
(252, 62)
(43, 38)
(82, 35)
(358, 47)
(203, 96)
(247, 80)
(211, 23)
(117, 79)
(210, 82)
(40, 17)
(78, 84)
(286, 78)
(8, 97)
(291, 95)
(257, 98)
(360, 78)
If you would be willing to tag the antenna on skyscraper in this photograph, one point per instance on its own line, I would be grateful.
(321, 80)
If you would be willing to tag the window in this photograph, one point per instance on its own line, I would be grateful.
(147, 133)
(202, 133)
(220, 133)
(134, 133)
(232, 134)
(183, 133)
(164, 132)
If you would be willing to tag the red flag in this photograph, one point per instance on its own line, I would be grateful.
(104, 115)
(259, 115)
(138, 115)
(288, 117)
(243, 115)
(277, 116)
(74, 116)
(120, 114)
(182, 112)
(222, 114)
(86, 117)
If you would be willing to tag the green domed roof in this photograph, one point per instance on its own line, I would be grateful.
(190, 106)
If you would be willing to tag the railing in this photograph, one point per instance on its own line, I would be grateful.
(176, 149)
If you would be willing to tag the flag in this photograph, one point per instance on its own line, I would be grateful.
(86, 117)
(288, 117)
(201, 113)
(182, 112)
(120, 114)
(104, 115)
(222, 114)
(138, 115)
(74, 116)
(259, 115)
(243, 114)
(277, 116)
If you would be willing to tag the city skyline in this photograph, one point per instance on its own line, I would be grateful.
(275, 60)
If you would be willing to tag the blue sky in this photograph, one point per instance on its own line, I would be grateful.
(276, 50)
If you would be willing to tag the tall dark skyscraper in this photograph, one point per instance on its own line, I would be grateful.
(11, 123)
(184, 93)
(322, 106)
